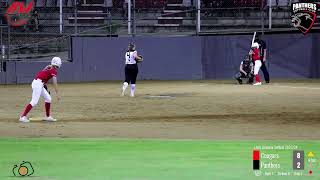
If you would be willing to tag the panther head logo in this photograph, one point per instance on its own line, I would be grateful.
(303, 17)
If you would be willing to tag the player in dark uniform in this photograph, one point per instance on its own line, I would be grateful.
(131, 69)
(263, 53)
(246, 70)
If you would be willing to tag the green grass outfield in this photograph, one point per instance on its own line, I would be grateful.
(122, 159)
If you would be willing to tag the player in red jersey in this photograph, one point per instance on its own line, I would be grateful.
(38, 89)
(255, 52)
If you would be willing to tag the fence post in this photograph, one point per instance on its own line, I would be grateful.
(9, 42)
(109, 22)
(129, 17)
(61, 20)
(134, 19)
(262, 15)
(75, 17)
(198, 15)
(270, 14)
(1, 41)
(2, 50)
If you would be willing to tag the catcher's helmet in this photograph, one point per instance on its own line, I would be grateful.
(247, 58)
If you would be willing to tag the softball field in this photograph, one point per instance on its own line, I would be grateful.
(170, 130)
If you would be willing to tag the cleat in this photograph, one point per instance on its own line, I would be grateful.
(123, 93)
(51, 119)
(131, 95)
(24, 119)
(257, 84)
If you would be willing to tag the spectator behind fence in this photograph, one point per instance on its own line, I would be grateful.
(125, 8)
(33, 23)
(35, 20)
(206, 4)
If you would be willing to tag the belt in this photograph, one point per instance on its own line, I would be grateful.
(39, 79)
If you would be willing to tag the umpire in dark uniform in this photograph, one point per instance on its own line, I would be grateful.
(263, 53)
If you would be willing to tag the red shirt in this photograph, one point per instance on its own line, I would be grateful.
(46, 74)
(256, 54)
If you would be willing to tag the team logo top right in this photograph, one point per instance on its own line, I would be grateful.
(303, 16)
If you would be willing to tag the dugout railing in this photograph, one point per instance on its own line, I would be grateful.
(162, 17)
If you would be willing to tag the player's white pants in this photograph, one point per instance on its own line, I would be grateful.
(37, 91)
(257, 65)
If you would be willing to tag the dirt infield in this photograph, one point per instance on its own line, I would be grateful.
(171, 109)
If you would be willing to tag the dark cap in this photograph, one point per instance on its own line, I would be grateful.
(131, 47)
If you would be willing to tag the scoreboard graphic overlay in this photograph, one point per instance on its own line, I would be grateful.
(284, 160)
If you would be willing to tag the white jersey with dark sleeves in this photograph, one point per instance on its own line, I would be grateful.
(130, 57)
